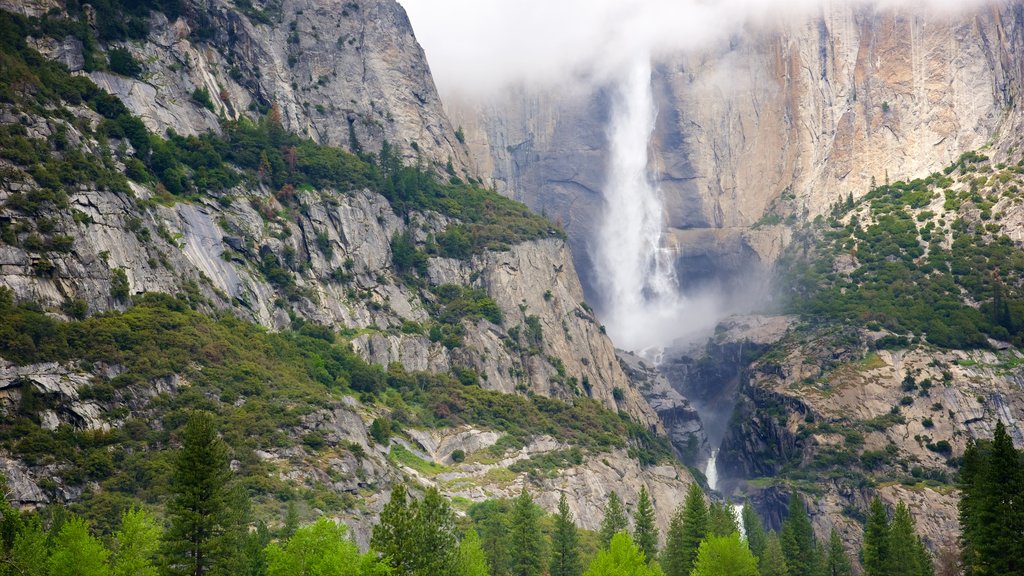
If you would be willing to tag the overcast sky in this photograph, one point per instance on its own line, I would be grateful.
(476, 47)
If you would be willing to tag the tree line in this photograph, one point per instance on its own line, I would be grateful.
(208, 530)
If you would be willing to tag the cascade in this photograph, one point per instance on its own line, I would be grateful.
(640, 292)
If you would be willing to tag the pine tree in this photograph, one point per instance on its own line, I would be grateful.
(76, 552)
(199, 495)
(903, 554)
(753, 527)
(838, 562)
(875, 550)
(565, 553)
(491, 520)
(435, 545)
(137, 544)
(645, 533)
(773, 561)
(721, 519)
(689, 526)
(1000, 546)
(393, 536)
(797, 539)
(525, 539)
(471, 560)
(614, 519)
(291, 521)
(925, 560)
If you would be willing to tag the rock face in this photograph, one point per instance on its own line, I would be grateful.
(780, 121)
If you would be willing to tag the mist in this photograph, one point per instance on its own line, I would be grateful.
(477, 48)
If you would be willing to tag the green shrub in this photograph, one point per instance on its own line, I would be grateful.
(122, 62)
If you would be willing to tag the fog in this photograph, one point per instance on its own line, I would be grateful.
(479, 47)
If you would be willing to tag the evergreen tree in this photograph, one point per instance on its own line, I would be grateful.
(197, 510)
(688, 527)
(622, 558)
(721, 519)
(797, 539)
(291, 521)
(1000, 544)
(753, 527)
(614, 519)
(565, 553)
(838, 562)
(471, 560)
(773, 561)
(254, 551)
(724, 556)
(435, 545)
(903, 558)
(76, 552)
(924, 559)
(393, 536)
(875, 550)
(137, 544)
(491, 520)
(645, 533)
(526, 552)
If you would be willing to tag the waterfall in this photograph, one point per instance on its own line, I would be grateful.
(711, 470)
(641, 303)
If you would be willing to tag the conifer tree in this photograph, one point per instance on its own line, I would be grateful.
(198, 509)
(472, 561)
(721, 519)
(565, 553)
(1000, 544)
(491, 519)
(903, 558)
(393, 536)
(689, 526)
(875, 550)
(773, 561)
(614, 519)
(753, 527)
(925, 560)
(526, 544)
(645, 533)
(435, 544)
(797, 539)
(291, 521)
(838, 562)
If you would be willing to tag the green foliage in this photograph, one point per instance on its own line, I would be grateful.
(725, 556)
(645, 532)
(122, 62)
(622, 558)
(76, 552)
(837, 562)
(119, 289)
(136, 544)
(417, 538)
(875, 552)
(526, 543)
(753, 527)
(472, 561)
(321, 549)
(565, 552)
(29, 551)
(721, 520)
(991, 513)
(772, 561)
(797, 539)
(688, 527)
(614, 520)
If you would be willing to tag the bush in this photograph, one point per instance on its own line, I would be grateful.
(458, 455)
(122, 62)
(380, 430)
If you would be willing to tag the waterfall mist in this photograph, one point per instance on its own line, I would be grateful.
(641, 304)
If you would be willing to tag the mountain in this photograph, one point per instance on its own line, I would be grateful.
(347, 300)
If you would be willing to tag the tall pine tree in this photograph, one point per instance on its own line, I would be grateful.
(565, 551)
(614, 519)
(721, 519)
(773, 561)
(472, 560)
(689, 526)
(393, 536)
(838, 563)
(645, 533)
(904, 557)
(753, 527)
(526, 543)
(198, 508)
(797, 538)
(875, 549)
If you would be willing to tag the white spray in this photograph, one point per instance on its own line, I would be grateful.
(642, 307)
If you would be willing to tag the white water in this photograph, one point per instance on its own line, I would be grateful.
(711, 473)
(642, 309)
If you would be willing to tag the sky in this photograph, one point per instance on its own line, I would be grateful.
(479, 47)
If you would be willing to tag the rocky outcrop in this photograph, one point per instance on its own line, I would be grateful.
(779, 121)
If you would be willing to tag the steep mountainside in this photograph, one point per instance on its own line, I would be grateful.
(193, 150)
(768, 128)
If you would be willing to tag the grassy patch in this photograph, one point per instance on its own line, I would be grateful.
(404, 456)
